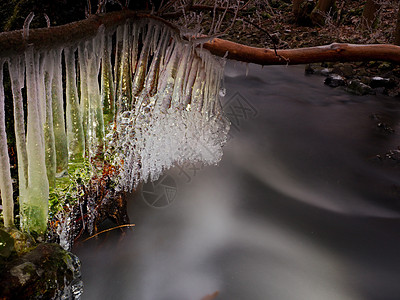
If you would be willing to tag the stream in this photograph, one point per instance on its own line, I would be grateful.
(300, 207)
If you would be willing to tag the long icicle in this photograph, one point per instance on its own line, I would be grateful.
(5, 175)
(96, 121)
(49, 139)
(34, 209)
(107, 82)
(125, 73)
(58, 115)
(75, 134)
(17, 74)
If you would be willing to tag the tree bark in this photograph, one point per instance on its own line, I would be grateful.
(370, 14)
(397, 30)
(301, 10)
(318, 15)
(296, 7)
(14, 43)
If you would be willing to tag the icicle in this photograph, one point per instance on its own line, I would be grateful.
(95, 125)
(141, 70)
(58, 115)
(107, 83)
(179, 77)
(39, 57)
(198, 89)
(46, 75)
(125, 74)
(146, 100)
(154, 70)
(118, 59)
(167, 79)
(190, 83)
(17, 75)
(5, 175)
(34, 208)
(75, 135)
(136, 28)
(84, 103)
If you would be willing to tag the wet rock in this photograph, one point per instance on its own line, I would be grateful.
(23, 242)
(385, 66)
(380, 82)
(309, 69)
(343, 69)
(362, 72)
(334, 80)
(317, 70)
(392, 93)
(6, 246)
(328, 65)
(325, 71)
(46, 272)
(358, 88)
(365, 79)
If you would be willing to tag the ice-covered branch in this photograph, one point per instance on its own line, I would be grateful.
(13, 42)
(159, 107)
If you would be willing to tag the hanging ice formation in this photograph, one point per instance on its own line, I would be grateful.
(168, 110)
(137, 92)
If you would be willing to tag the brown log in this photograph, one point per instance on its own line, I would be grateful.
(13, 42)
(333, 52)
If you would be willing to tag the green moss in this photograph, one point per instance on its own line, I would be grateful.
(69, 189)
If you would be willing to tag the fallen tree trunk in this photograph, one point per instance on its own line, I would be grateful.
(333, 52)
(15, 42)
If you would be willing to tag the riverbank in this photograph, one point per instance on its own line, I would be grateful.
(275, 18)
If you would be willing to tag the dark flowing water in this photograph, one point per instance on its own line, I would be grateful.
(299, 207)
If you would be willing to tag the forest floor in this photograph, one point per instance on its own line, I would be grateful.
(344, 26)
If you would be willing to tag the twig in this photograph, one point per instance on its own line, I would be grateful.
(273, 40)
(211, 296)
(107, 230)
(218, 8)
(245, 5)
(167, 5)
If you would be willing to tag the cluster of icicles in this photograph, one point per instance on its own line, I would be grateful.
(137, 92)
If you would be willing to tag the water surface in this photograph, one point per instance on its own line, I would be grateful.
(299, 207)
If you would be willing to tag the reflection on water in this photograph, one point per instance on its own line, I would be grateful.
(299, 208)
